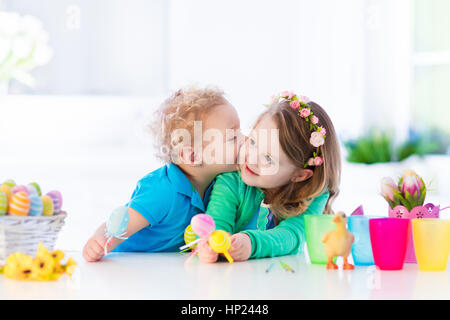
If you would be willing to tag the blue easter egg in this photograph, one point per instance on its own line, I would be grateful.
(118, 221)
(36, 205)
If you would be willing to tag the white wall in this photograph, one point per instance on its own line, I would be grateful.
(256, 48)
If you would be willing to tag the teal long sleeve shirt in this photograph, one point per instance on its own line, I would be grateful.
(232, 205)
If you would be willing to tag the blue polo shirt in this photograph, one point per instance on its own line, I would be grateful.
(167, 199)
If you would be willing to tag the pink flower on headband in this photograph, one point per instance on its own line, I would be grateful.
(287, 94)
(314, 120)
(318, 161)
(316, 139)
(322, 131)
(311, 162)
(295, 104)
(284, 94)
(303, 99)
(305, 112)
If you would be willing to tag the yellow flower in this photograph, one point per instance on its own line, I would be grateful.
(19, 266)
(70, 266)
(57, 255)
(46, 266)
(42, 250)
(43, 266)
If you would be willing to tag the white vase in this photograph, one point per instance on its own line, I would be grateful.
(4, 88)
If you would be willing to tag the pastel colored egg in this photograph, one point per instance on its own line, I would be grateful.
(17, 189)
(36, 186)
(117, 223)
(32, 190)
(36, 205)
(20, 204)
(56, 196)
(7, 190)
(189, 236)
(47, 203)
(203, 225)
(3, 203)
(10, 183)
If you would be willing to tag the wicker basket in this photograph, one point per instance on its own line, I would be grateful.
(23, 233)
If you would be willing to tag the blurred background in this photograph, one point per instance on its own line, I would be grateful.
(79, 80)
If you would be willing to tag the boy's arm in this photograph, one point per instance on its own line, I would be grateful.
(288, 236)
(94, 249)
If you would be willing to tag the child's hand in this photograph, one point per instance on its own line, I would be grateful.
(241, 247)
(205, 253)
(94, 249)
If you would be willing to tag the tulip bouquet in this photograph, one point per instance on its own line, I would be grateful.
(410, 191)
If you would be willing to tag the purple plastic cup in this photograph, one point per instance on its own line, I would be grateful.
(389, 238)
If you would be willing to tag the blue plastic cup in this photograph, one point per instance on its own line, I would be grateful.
(362, 247)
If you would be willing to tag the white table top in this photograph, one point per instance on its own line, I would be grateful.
(165, 276)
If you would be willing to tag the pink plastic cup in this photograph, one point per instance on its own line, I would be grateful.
(389, 237)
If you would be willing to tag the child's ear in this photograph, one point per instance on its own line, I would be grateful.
(302, 175)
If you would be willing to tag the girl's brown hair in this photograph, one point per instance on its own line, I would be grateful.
(294, 134)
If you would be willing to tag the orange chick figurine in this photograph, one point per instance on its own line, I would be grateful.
(338, 243)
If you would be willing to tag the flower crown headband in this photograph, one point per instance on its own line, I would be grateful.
(318, 135)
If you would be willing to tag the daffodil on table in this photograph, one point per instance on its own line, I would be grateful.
(45, 266)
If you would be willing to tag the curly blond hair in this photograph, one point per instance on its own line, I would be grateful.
(179, 111)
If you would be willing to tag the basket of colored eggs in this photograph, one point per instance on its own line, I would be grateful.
(27, 217)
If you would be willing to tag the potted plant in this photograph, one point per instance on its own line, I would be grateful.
(406, 199)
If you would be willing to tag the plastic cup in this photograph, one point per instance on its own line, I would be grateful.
(316, 225)
(432, 243)
(361, 248)
(388, 237)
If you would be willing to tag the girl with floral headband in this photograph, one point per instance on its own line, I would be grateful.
(264, 209)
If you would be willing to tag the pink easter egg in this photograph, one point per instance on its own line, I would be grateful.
(56, 196)
(203, 225)
(17, 189)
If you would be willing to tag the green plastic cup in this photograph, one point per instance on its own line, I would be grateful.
(316, 225)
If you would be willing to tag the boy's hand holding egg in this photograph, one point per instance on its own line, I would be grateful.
(94, 249)
(205, 253)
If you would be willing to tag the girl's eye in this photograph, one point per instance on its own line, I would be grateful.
(268, 159)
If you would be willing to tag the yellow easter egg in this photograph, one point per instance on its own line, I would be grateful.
(189, 236)
(48, 208)
(7, 190)
(20, 204)
(220, 242)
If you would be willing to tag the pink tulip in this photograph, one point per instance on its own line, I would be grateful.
(411, 183)
(387, 188)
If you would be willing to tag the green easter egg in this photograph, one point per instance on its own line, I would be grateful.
(36, 186)
(10, 183)
(3, 203)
